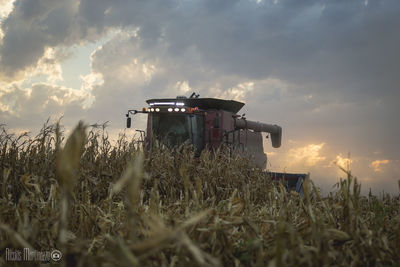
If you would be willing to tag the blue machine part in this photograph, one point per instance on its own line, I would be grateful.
(292, 181)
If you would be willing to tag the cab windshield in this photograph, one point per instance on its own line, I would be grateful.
(176, 129)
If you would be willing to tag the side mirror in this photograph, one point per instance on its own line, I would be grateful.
(128, 122)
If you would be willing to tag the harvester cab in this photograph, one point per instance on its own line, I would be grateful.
(208, 123)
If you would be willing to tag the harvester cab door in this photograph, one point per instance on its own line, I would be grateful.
(197, 131)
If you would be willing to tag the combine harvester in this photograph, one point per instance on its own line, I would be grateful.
(208, 123)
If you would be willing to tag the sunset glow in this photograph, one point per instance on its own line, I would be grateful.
(377, 165)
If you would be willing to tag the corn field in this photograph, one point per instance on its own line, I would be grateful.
(104, 204)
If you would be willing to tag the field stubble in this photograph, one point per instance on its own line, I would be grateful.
(104, 205)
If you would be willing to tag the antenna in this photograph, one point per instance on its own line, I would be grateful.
(194, 95)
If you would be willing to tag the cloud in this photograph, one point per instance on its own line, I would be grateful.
(238, 92)
(89, 82)
(49, 66)
(183, 87)
(308, 155)
(6, 6)
(31, 107)
(342, 162)
(236, 37)
(377, 165)
(297, 156)
(308, 44)
(33, 26)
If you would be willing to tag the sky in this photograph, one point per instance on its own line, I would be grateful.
(328, 72)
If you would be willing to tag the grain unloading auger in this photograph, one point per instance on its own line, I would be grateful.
(209, 123)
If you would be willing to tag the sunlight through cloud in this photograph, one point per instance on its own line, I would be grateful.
(377, 164)
(308, 155)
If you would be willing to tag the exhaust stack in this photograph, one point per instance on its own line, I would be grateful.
(274, 130)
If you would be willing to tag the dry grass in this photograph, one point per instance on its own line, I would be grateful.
(105, 205)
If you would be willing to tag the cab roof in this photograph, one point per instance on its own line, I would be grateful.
(203, 103)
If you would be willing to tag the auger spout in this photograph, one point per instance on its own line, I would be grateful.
(273, 129)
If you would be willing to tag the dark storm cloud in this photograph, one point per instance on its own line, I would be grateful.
(29, 29)
(294, 40)
(346, 49)
(332, 46)
(343, 53)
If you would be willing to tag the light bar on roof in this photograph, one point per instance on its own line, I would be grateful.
(162, 104)
(167, 104)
